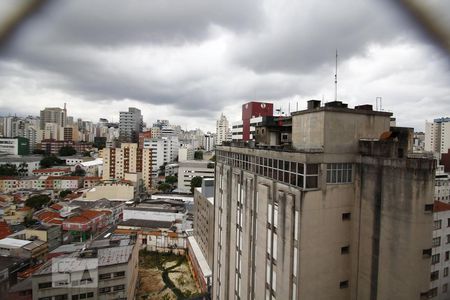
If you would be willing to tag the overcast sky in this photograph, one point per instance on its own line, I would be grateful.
(188, 61)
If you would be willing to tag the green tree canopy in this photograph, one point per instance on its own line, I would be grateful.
(67, 151)
(165, 187)
(8, 170)
(171, 179)
(196, 182)
(64, 193)
(37, 201)
(50, 161)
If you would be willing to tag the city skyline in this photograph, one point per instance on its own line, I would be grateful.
(193, 62)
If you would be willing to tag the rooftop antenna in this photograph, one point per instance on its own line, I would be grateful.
(335, 78)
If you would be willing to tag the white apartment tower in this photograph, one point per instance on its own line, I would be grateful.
(437, 136)
(130, 124)
(222, 130)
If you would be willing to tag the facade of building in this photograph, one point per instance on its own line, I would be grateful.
(437, 136)
(204, 219)
(244, 130)
(442, 185)
(54, 115)
(130, 125)
(193, 168)
(222, 130)
(15, 146)
(164, 150)
(25, 164)
(440, 257)
(185, 153)
(103, 273)
(331, 217)
(129, 158)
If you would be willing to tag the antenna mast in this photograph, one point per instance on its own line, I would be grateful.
(335, 78)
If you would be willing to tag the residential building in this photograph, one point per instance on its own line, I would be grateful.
(437, 136)
(144, 138)
(251, 113)
(130, 125)
(222, 130)
(52, 146)
(128, 159)
(50, 234)
(193, 168)
(442, 185)
(35, 249)
(15, 146)
(169, 210)
(9, 268)
(329, 217)
(24, 164)
(53, 115)
(114, 190)
(92, 273)
(164, 150)
(185, 153)
(86, 224)
(208, 142)
(440, 255)
(52, 172)
(204, 219)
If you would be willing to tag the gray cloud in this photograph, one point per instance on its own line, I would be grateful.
(196, 58)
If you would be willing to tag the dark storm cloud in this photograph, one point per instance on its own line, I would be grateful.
(306, 35)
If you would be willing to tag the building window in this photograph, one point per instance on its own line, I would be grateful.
(448, 238)
(346, 216)
(104, 276)
(45, 285)
(339, 173)
(445, 271)
(432, 293)
(119, 274)
(437, 224)
(61, 297)
(445, 288)
(345, 250)
(119, 287)
(435, 258)
(343, 284)
(429, 208)
(436, 241)
(447, 255)
(434, 275)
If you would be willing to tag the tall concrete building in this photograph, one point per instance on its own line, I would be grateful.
(343, 212)
(189, 169)
(440, 257)
(128, 159)
(130, 125)
(222, 130)
(164, 150)
(437, 136)
(53, 115)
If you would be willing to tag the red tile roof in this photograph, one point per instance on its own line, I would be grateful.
(56, 206)
(77, 219)
(4, 230)
(440, 206)
(63, 177)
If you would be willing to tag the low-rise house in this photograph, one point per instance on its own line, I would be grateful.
(8, 184)
(23, 248)
(52, 172)
(83, 226)
(50, 234)
(46, 217)
(14, 214)
(161, 236)
(114, 209)
(63, 182)
(91, 181)
(93, 273)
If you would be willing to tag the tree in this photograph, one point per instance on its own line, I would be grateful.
(67, 151)
(37, 201)
(8, 170)
(50, 161)
(39, 151)
(198, 155)
(64, 193)
(78, 172)
(171, 179)
(196, 182)
(23, 169)
(213, 158)
(165, 187)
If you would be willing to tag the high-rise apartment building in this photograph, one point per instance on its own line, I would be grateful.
(222, 130)
(437, 136)
(343, 212)
(129, 158)
(53, 115)
(130, 125)
(164, 150)
(440, 257)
